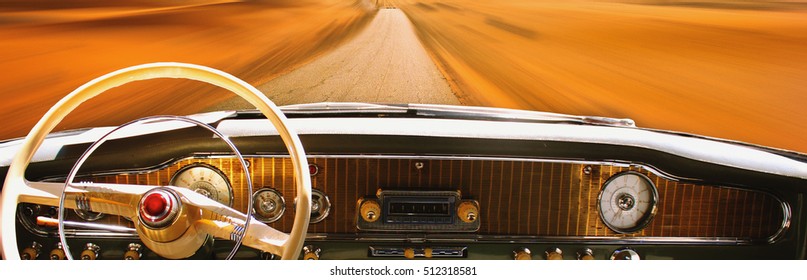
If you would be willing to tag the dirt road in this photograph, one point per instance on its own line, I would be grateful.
(385, 63)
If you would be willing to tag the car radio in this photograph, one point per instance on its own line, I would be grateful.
(392, 210)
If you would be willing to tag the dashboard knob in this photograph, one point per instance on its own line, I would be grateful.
(409, 253)
(554, 254)
(57, 253)
(311, 253)
(428, 252)
(90, 251)
(134, 252)
(625, 254)
(468, 211)
(370, 211)
(31, 252)
(522, 254)
(585, 255)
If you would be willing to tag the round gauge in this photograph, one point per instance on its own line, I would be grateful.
(320, 206)
(627, 202)
(268, 204)
(206, 180)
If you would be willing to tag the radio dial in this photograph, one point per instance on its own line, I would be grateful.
(468, 212)
(370, 211)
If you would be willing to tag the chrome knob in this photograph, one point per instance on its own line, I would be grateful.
(554, 254)
(585, 255)
(134, 252)
(90, 252)
(57, 253)
(522, 254)
(31, 252)
(311, 253)
(625, 254)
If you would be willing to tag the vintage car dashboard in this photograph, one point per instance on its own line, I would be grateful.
(434, 196)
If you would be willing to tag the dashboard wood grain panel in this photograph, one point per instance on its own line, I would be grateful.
(518, 198)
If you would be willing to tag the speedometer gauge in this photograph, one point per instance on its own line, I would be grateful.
(268, 204)
(627, 202)
(206, 180)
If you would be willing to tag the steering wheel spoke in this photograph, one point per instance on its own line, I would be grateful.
(113, 199)
(226, 223)
(259, 236)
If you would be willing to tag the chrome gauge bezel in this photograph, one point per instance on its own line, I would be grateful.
(281, 205)
(645, 219)
(215, 170)
(324, 206)
(318, 197)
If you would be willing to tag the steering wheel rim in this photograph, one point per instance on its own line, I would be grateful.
(15, 178)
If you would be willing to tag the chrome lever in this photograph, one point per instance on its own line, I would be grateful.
(51, 222)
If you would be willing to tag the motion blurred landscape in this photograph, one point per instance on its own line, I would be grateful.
(727, 69)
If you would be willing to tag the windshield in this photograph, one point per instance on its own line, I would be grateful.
(726, 69)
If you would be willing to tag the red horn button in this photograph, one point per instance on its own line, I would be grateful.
(157, 208)
(156, 205)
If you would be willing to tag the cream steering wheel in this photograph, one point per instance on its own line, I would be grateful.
(126, 200)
